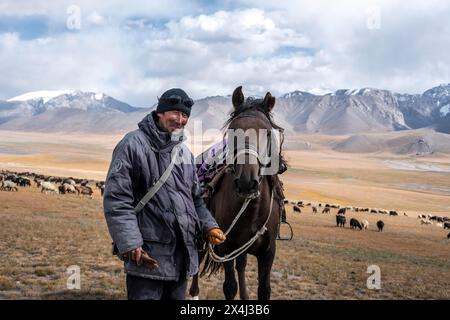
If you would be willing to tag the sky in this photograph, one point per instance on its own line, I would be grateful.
(134, 52)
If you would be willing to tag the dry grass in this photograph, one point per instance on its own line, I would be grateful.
(43, 234)
(325, 262)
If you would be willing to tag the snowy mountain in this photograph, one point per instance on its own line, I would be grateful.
(68, 110)
(44, 95)
(346, 111)
(427, 109)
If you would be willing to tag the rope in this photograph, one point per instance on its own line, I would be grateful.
(233, 255)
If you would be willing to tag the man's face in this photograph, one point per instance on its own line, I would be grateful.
(172, 121)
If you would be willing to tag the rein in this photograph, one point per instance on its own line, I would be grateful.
(234, 254)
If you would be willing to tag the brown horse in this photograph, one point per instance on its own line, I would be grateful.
(245, 182)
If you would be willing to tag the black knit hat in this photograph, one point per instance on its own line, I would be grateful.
(175, 99)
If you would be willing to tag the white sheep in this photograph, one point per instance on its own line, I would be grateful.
(365, 224)
(47, 186)
(9, 186)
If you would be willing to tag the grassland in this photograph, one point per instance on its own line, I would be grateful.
(43, 234)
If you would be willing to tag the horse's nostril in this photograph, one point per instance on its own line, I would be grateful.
(255, 185)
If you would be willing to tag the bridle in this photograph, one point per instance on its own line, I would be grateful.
(249, 150)
(252, 150)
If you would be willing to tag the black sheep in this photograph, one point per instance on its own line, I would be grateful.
(380, 225)
(340, 221)
(355, 224)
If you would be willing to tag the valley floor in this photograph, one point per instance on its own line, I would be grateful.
(43, 234)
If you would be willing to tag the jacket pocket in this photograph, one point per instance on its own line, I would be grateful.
(155, 236)
(154, 228)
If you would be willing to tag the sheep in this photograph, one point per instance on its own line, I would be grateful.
(365, 224)
(67, 188)
(314, 209)
(84, 190)
(297, 209)
(340, 220)
(47, 186)
(355, 224)
(326, 210)
(380, 225)
(426, 222)
(9, 186)
(69, 181)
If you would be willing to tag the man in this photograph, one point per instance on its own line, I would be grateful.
(158, 243)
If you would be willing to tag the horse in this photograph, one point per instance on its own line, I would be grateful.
(243, 202)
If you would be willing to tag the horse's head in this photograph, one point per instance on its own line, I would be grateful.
(251, 141)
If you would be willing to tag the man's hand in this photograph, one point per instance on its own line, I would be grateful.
(215, 236)
(141, 257)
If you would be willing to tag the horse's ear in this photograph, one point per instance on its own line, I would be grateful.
(269, 102)
(238, 97)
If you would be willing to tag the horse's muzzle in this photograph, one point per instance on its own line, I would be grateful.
(246, 188)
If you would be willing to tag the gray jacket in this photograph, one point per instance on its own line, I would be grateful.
(167, 226)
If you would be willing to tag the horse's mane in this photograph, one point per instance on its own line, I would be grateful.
(254, 107)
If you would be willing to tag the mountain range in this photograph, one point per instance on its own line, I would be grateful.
(366, 110)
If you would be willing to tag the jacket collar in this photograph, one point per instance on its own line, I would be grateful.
(162, 141)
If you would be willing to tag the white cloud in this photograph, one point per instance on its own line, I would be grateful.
(96, 19)
(136, 51)
(249, 29)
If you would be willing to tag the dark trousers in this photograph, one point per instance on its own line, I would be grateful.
(139, 288)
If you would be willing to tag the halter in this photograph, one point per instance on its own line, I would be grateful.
(250, 150)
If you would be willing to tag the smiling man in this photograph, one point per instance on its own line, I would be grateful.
(156, 235)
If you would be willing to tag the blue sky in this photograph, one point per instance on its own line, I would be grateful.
(134, 52)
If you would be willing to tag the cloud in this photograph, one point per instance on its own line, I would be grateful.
(244, 32)
(135, 52)
(96, 19)
(138, 60)
(406, 52)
